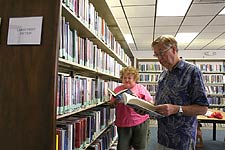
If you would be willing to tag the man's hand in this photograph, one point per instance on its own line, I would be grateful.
(167, 109)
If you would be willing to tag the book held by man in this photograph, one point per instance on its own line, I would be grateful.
(119, 95)
(138, 103)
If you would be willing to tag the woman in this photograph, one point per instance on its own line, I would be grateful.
(132, 126)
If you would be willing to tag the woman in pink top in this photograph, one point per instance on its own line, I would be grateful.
(132, 126)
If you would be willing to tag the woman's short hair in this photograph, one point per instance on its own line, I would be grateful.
(129, 70)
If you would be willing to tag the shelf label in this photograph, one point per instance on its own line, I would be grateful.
(25, 31)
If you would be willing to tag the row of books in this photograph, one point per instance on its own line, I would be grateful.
(105, 141)
(148, 77)
(214, 89)
(84, 52)
(151, 87)
(213, 93)
(203, 67)
(216, 100)
(80, 130)
(87, 14)
(208, 78)
(212, 67)
(78, 92)
(214, 78)
(150, 67)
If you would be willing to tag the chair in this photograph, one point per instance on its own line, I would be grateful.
(199, 140)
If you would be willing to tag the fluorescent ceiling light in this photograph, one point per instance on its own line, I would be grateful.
(128, 38)
(172, 7)
(185, 37)
(222, 12)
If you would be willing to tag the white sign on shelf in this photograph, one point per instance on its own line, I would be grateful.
(25, 31)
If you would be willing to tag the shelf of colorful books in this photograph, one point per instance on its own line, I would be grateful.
(76, 26)
(89, 126)
(104, 139)
(105, 12)
(78, 93)
(148, 77)
(112, 74)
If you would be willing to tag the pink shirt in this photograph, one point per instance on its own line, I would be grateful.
(125, 115)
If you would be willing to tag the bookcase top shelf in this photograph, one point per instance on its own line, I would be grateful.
(105, 12)
(84, 31)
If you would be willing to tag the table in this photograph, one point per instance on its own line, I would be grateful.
(214, 121)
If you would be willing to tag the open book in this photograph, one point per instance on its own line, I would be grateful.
(136, 102)
(119, 95)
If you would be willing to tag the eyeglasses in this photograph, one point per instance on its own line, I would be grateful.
(161, 52)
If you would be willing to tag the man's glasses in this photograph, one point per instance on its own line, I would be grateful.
(161, 52)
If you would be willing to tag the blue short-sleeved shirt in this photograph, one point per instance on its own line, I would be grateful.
(183, 85)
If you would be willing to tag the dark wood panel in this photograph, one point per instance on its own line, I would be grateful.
(28, 79)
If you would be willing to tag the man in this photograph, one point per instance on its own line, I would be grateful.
(180, 97)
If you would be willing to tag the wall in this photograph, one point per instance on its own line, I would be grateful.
(186, 54)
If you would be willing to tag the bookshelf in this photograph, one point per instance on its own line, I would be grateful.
(149, 70)
(213, 75)
(28, 89)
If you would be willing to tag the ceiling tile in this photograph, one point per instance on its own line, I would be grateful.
(218, 29)
(217, 43)
(202, 40)
(118, 12)
(125, 30)
(205, 9)
(137, 22)
(113, 3)
(140, 11)
(168, 21)
(122, 22)
(142, 30)
(197, 20)
(142, 36)
(202, 17)
(138, 2)
(191, 28)
(166, 29)
(218, 20)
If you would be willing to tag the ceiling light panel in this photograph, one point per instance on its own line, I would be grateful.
(172, 7)
(222, 12)
(185, 37)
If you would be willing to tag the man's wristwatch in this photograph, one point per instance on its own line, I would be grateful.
(180, 112)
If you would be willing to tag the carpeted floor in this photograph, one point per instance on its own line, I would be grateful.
(207, 135)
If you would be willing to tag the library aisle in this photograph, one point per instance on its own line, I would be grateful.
(207, 135)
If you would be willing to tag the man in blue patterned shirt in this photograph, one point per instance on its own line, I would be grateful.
(180, 97)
